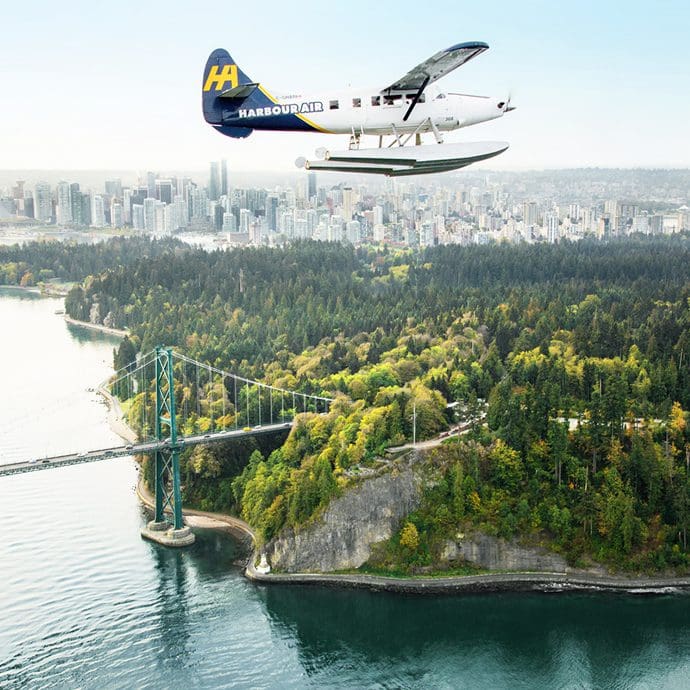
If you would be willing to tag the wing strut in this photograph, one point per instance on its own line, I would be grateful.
(416, 98)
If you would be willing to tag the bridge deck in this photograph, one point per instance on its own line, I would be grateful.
(134, 449)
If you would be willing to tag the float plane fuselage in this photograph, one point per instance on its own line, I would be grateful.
(411, 106)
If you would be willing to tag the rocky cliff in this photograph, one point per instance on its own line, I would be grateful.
(341, 537)
(493, 553)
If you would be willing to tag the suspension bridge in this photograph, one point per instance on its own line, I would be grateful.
(171, 402)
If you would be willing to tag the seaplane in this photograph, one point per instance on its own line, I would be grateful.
(403, 111)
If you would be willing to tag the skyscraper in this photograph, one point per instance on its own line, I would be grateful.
(164, 191)
(347, 204)
(150, 214)
(214, 183)
(114, 187)
(43, 202)
(116, 220)
(223, 177)
(311, 192)
(97, 211)
(63, 211)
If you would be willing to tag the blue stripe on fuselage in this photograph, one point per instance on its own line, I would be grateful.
(260, 112)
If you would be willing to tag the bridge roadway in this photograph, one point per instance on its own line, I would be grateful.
(134, 449)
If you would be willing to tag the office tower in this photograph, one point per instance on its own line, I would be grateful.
(127, 206)
(529, 213)
(214, 183)
(159, 227)
(150, 214)
(113, 188)
(43, 202)
(63, 210)
(552, 229)
(77, 206)
(97, 211)
(164, 191)
(151, 184)
(29, 206)
(353, 232)
(347, 204)
(245, 217)
(116, 219)
(613, 209)
(223, 177)
(311, 186)
(229, 223)
(272, 212)
(18, 190)
(75, 203)
(138, 216)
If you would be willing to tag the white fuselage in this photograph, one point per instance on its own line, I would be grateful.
(369, 111)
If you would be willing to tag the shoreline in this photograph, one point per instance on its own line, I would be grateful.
(544, 582)
(120, 333)
(540, 582)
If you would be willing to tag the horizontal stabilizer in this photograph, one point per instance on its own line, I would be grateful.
(239, 92)
(406, 160)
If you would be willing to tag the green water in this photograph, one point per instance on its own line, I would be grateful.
(85, 603)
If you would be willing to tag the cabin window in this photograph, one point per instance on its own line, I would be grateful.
(356, 102)
(376, 100)
(410, 98)
(391, 100)
(333, 105)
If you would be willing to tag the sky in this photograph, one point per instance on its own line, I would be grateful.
(118, 85)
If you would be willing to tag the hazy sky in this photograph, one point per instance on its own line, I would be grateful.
(117, 85)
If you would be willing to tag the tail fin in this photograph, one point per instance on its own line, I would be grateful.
(224, 86)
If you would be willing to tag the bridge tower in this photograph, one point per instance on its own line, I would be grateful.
(167, 529)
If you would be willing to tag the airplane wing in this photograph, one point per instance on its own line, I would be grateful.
(437, 66)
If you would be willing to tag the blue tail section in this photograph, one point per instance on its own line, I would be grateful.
(224, 88)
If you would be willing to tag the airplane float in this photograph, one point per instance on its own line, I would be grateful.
(411, 106)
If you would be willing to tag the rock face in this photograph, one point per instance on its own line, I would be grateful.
(342, 536)
(494, 553)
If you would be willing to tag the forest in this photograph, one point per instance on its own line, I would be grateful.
(577, 352)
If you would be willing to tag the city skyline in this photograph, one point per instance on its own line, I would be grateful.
(496, 207)
(114, 88)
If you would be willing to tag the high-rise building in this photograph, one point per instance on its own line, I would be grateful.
(311, 190)
(127, 206)
(18, 190)
(43, 202)
(63, 210)
(228, 223)
(214, 183)
(116, 214)
(272, 212)
(347, 204)
(529, 213)
(150, 214)
(114, 188)
(164, 191)
(151, 184)
(245, 218)
(86, 209)
(138, 216)
(97, 211)
(223, 177)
